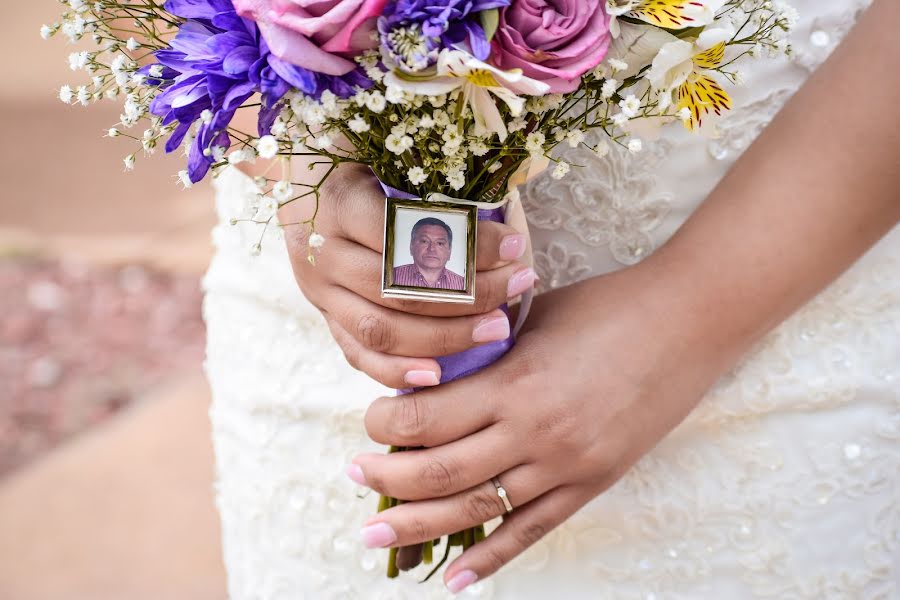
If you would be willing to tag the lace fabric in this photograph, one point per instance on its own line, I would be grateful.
(783, 483)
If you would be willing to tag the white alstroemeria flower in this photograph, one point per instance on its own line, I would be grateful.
(680, 65)
(478, 80)
(668, 14)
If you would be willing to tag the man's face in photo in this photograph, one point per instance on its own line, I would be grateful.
(430, 247)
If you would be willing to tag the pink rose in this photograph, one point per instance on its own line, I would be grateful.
(552, 41)
(319, 35)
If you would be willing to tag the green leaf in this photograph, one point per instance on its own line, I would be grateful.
(490, 19)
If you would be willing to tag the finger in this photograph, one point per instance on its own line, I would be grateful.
(442, 470)
(416, 522)
(431, 417)
(498, 244)
(398, 372)
(401, 334)
(355, 205)
(358, 269)
(520, 530)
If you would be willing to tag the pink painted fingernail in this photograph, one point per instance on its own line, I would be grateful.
(461, 581)
(378, 535)
(354, 472)
(491, 329)
(520, 282)
(421, 378)
(512, 247)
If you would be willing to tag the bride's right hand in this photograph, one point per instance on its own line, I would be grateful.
(394, 341)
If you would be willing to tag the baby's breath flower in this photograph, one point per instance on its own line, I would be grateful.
(129, 162)
(267, 147)
(574, 138)
(83, 95)
(417, 175)
(316, 240)
(609, 88)
(185, 179)
(375, 102)
(113, 132)
(516, 124)
(394, 95)
(47, 31)
(456, 180)
(534, 143)
(66, 94)
(601, 149)
(635, 146)
(357, 124)
(478, 148)
(618, 65)
(560, 171)
(323, 142)
(283, 191)
(398, 144)
(630, 106)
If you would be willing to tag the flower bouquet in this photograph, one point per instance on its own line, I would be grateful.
(450, 101)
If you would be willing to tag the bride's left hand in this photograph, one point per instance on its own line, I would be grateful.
(603, 370)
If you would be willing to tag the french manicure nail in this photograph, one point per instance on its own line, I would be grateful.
(520, 282)
(461, 581)
(421, 378)
(491, 329)
(378, 535)
(354, 472)
(512, 247)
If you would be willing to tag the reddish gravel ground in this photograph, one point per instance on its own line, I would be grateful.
(78, 343)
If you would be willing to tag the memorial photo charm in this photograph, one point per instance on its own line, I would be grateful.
(429, 251)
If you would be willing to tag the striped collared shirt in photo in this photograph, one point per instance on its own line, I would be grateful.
(409, 275)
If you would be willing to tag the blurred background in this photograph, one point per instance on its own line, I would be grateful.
(106, 464)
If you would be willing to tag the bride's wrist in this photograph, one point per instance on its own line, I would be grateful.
(691, 317)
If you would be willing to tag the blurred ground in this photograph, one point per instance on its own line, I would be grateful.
(105, 457)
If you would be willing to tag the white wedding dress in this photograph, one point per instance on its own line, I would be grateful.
(783, 483)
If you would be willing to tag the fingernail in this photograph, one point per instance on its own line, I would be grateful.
(491, 329)
(461, 581)
(421, 378)
(378, 535)
(354, 472)
(512, 247)
(520, 282)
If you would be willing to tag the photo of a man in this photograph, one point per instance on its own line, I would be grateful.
(430, 245)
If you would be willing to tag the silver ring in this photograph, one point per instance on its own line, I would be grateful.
(501, 491)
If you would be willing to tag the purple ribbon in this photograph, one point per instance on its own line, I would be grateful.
(460, 364)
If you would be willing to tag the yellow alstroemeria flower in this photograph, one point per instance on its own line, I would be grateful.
(679, 68)
(478, 80)
(668, 14)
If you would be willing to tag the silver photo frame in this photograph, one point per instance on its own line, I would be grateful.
(403, 267)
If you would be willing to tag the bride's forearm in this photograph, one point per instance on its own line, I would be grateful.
(818, 188)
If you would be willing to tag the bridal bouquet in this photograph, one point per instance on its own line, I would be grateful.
(456, 101)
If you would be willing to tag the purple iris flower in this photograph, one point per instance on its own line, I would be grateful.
(413, 31)
(216, 62)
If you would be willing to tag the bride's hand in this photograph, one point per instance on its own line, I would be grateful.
(395, 341)
(602, 371)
